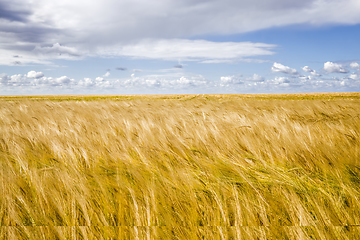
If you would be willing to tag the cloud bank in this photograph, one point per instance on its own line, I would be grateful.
(41, 30)
(183, 82)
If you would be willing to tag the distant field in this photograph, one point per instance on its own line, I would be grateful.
(218, 97)
(261, 166)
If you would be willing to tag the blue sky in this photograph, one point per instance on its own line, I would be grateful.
(168, 46)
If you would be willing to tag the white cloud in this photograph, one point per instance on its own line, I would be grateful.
(107, 74)
(165, 49)
(354, 76)
(331, 67)
(311, 71)
(133, 20)
(280, 80)
(186, 82)
(278, 67)
(307, 69)
(218, 61)
(227, 80)
(86, 82)
(239, 79)
(63, 80)
(99, 83)
(177, 82)
(191, 50)
(17, 79)
(256, 78)
(33, 74)
(35, 28)
(355, 65)
(165, 82)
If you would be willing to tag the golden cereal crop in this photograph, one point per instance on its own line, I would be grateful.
(180, 167)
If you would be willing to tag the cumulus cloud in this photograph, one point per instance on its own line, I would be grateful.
(354, 76)
(86, 82)
(176, 82)
(239, 79)
(18, 80)
(331, 67)
(107, 74)
(280, 80)
(99, 82)
(33, 74)
(63, 80)
(278, 67)
(35, 79)
(165, 82)
(256, 78)
(311, 71)
(355, 65)
(307, 69)
(227, 80)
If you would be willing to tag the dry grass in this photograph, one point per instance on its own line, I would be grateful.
(180, 167)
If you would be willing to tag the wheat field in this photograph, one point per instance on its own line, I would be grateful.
(180, 167)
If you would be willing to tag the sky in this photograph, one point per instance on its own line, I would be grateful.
(176, 47)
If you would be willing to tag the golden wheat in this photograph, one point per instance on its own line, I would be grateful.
(180, 167)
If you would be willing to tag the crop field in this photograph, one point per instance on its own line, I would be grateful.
(180, 167)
